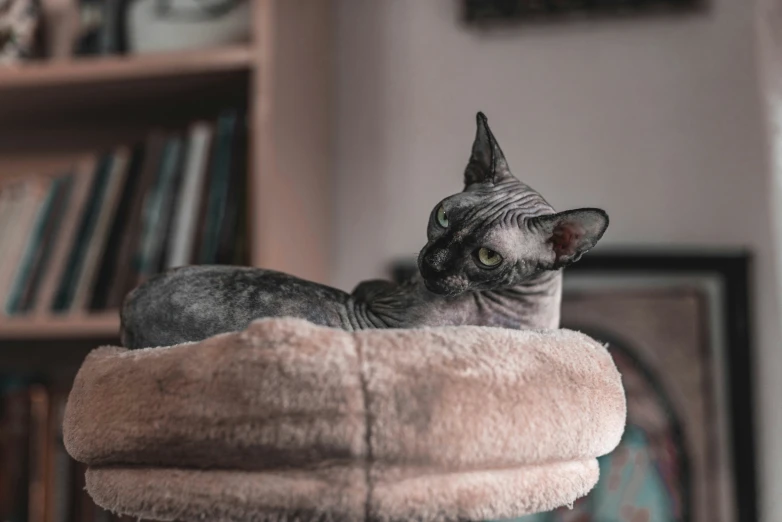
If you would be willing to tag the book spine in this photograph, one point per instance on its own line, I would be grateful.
(157, 211)
(232, 224)
(43, 256)
(219, 186)
(31, 250)
(7, 195)
(202, 206)
(105, 214)
(185, 220)
(58, 483)
(39, 417)
(126, 276)
(73, 272)
(29, 205)
(14, 461)
(83, 177)
(119, 228)
(13, 193)
(170, 205)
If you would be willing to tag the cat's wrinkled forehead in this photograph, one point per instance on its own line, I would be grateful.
(509, 203)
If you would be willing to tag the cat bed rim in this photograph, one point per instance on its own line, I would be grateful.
(448, 411)
(105, 403)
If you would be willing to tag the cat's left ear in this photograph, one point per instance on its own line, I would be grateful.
(487, 161)
(569, 235)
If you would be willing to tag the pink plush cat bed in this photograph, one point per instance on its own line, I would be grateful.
(292, 421)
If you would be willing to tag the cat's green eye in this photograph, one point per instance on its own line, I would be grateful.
(442, 217)
(489, 258)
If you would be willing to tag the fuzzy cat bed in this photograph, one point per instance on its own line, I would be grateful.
(292, 421)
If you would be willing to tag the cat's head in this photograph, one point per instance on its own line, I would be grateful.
(499, 232)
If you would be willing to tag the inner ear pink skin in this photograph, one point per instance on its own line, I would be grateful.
(566, 238)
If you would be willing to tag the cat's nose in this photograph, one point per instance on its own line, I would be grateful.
(436, 260)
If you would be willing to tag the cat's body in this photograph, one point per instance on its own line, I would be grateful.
(493, 259)
(193, 303)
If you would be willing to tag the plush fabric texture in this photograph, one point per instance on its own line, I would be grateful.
(292, 421)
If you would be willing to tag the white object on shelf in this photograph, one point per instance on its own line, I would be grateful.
(18, 23)
(150, 31)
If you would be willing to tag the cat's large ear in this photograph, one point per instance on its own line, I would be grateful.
(569, 235)
(487, 162)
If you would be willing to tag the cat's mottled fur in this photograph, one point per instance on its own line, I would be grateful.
(495, 211)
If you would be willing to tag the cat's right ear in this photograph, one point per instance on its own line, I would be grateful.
(487, 161)
(568, 235)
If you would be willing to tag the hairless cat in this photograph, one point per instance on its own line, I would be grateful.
(493, 258)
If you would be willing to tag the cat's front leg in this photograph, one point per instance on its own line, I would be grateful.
(384, 304)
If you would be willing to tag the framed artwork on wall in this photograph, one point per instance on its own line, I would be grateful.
(487, 11)
(678, 329)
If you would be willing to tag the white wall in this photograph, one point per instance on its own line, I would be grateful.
(658, 120)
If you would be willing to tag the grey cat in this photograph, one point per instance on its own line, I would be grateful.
(493, 258)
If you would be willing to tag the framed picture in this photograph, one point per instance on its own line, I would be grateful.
(677, 326)
(678, 329)
(482, 11)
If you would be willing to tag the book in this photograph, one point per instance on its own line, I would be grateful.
(87, 222)
(9, 195)
(166, 226)
(218, 188)
(157, 211)
(182, 237)
(59, 463)
(27, 209)
(38, 452)
(105, 215)
(30, 248)
(125, 278)
(43, 255)
(5, 197)
(236, 196)
(117, 232)
(83, 175)
(14, 427)
(241, 255)
(35, 255)
(202, 216)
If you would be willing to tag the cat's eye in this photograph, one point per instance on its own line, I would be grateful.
(442, 217)
(489, 258)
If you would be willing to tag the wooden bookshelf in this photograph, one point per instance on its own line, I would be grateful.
(114, 98)
(164, 67)
(54, 112)
(103, 325)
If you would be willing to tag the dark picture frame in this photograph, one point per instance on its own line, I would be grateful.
(482, 12)
(733, 270)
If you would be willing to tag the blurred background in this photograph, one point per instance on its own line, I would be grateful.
(316, 136)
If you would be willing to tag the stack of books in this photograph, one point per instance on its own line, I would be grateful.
(81, 240)
(39, 482)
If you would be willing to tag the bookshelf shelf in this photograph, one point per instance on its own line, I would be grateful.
(99, 325)
(165, 66)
